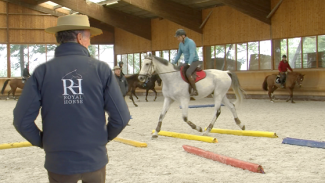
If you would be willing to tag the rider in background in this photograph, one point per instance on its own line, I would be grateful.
(26, 74)
(188, 47)
(121, 66)
(283, 68)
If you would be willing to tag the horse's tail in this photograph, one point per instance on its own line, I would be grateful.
(4, 85)
(265, 83)
(239, 91)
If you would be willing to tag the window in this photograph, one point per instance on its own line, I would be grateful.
(199, 51)
(3, 60)
(136, 64)
(265, 55)
(294, 56)
(309, 53)
(130, 64)
(106, 54)
(165, 54)
(125, 61)
(231, 57)
(173, 54)
(321, 51)
(18, 59)
(37, 56)
(280, 48)
(253, 56)
(93, 51)
(220, 57)
(242, 56)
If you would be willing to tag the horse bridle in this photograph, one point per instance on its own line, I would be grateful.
(151, 68)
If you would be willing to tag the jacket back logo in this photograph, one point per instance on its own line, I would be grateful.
(72, 88)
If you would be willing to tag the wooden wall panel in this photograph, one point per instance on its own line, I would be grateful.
(13, 8)
(31, 36)
(3, 36)
(227, 25)
(298, 18)
(31, 21)
(3, 7)
(105, 38)
(163, 32)
(126, 42)
(3, 21)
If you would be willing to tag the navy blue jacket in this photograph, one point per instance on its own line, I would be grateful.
(73, 92)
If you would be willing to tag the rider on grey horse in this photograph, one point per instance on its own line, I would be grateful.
(188, 48)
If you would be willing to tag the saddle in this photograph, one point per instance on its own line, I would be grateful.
(278, 79)
(197, 75)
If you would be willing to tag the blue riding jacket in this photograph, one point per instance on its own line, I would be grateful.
(73, 91)
(188, 48)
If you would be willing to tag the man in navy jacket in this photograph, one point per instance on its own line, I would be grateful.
(73, 91)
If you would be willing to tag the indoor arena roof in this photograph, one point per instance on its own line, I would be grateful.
(134, 15)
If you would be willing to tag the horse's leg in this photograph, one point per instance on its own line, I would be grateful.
(13, 93)
(131, 93)
(155, 94)
(232, 108)
(147, 90)
(167, 103)
(9, 93)
(214, 119)
(291, 95)
(184, 104)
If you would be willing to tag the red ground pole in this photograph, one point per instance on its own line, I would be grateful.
(224, 159)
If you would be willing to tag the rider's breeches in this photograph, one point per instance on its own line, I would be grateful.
(282, 77)
(192, 68)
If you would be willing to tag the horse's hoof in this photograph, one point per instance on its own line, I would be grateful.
(153, 137)
(243, 128)
(199, 129)
(136, 105)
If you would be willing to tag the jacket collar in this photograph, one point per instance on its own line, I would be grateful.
(71, 48)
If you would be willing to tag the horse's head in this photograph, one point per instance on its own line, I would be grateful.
(300, 79)
(147, 69)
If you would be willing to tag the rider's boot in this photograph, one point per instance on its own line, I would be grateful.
(192, 83)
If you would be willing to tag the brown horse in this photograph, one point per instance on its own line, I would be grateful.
(14, 84)
(134, 83)
(270, 84)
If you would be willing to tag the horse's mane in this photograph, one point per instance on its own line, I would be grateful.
(165, 62)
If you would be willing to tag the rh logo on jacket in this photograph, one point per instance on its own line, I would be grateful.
(72, 88)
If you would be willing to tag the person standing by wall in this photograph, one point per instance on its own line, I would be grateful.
(26, 74)
(74, 92)
(121, 66)
(123, 83)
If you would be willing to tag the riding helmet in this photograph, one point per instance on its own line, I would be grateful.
(180, 32)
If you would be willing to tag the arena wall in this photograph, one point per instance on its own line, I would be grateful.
(225, 25)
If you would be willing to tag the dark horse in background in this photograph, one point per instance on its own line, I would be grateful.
(149, 84)
(271, 83)
(14, 84)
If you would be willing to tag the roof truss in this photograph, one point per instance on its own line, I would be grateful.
(178, 13)
(258, 9)
(127, 22)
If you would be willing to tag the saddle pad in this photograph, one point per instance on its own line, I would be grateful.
(199, 75)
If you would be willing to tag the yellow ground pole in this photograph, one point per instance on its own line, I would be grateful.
(27, 144)
(15, 145)
(130, 142)
(187, 136)
(245, 133)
